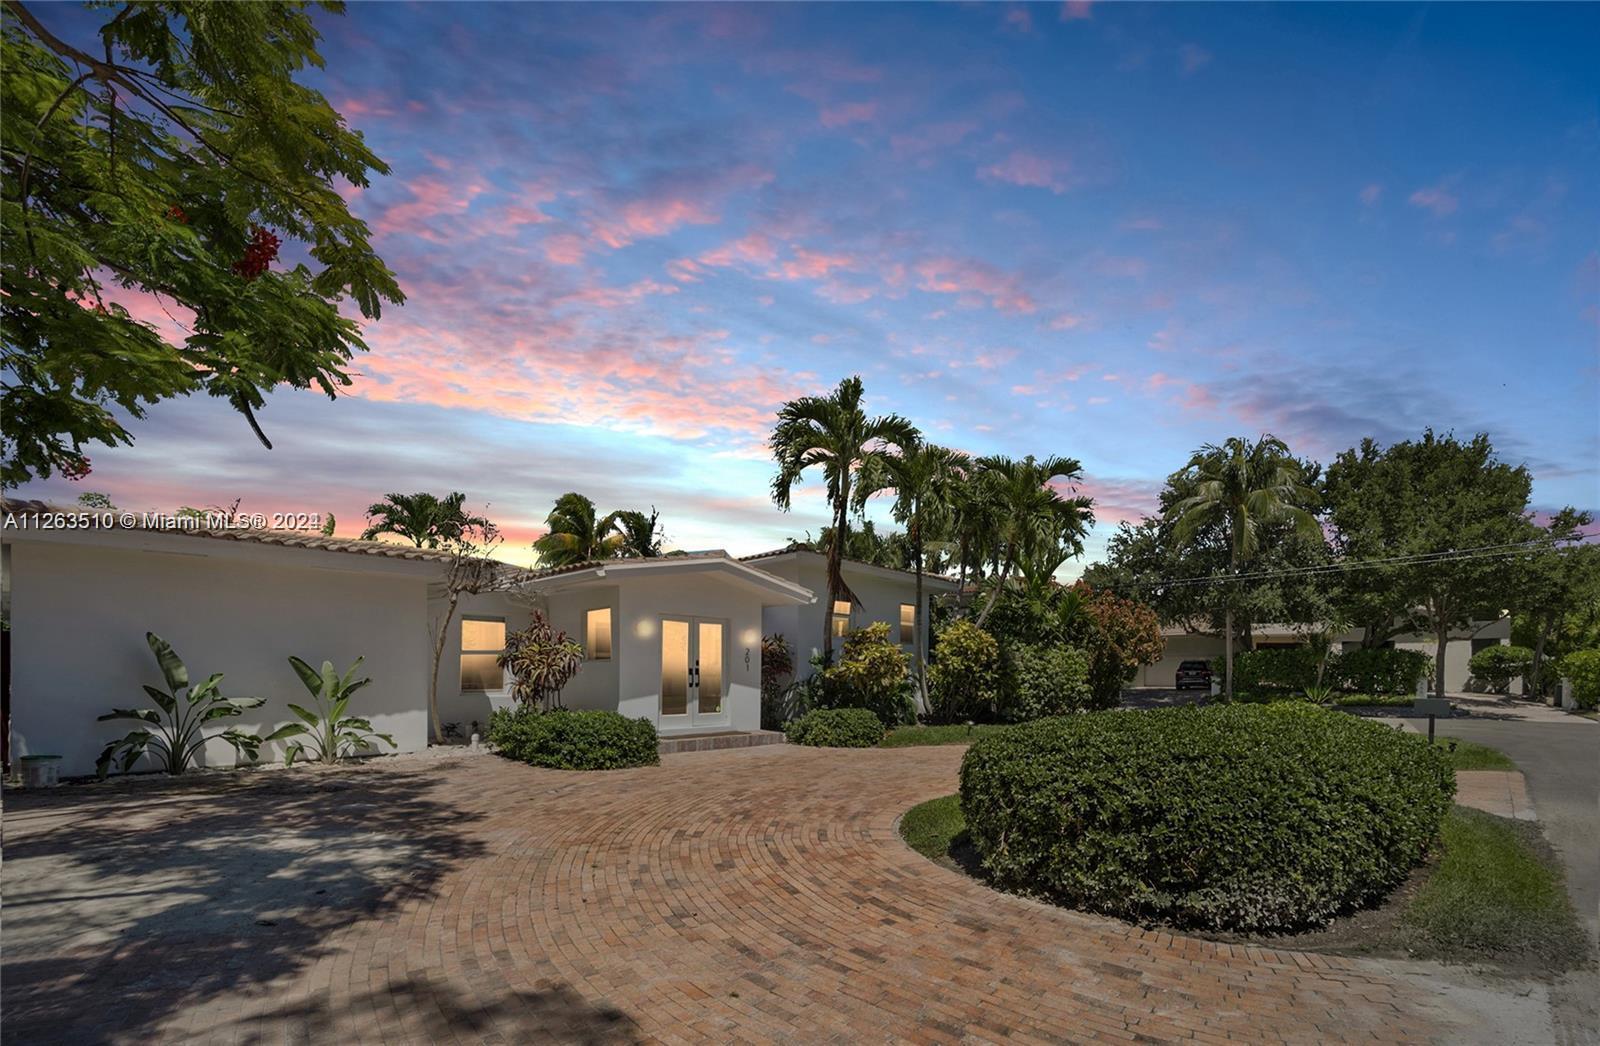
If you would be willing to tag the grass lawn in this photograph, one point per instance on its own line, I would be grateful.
(1373, 701)
(1469, 755)
(953, 734)
(1494, 895)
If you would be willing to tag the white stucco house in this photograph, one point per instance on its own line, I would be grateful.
(676, 640)
(1184, 644)
(882, 594)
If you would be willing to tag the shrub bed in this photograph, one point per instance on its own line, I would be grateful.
(836, 728)
(1044, 681)
(1583, 668)
(565, 739)
(1231, 817)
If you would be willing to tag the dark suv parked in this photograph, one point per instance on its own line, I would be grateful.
(1194, 673)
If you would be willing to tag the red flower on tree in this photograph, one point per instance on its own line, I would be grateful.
(258, 255)
(75, 467)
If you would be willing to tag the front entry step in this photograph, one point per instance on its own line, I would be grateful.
(718, 740)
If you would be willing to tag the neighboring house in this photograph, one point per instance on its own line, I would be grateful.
(882, 594)
(675, 640)
(1184, 645)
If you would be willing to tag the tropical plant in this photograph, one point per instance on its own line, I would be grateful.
(964, 679)
(423, 519)
(541, 660)
(329, 734)
(923, 477)
(1125, 634)
(777, 665)
(1583, 668)
(470, 569)
(871, 673)
(577, 534)
(179, 727)
(1557, 587)
(834, 433)
(1241, 487)
(641, 534)
(1030, 526)
(171, 150)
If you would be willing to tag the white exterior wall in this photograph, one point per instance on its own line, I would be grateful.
(79, 613)
(879, 598)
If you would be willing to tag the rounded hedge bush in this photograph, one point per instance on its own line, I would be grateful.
(836, 728)
(1498, 665)
(1262, 817)
(565, 739)
(1044, 681)
(1583, 668)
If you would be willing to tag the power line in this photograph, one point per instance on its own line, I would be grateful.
(1501, 551)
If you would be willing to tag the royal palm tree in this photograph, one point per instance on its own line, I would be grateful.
(1030, 520)
(923, 477)
(577, 534)
(1241, 487)
(422, 519)
(641, 534)
(832, 432)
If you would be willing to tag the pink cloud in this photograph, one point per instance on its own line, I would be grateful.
(1020, 19)
(1435, 198)
(931, 138)
(431, 198)
(1065, 322)
(565, 248)
(974, 282)
(1076, 10)
(847, 113)
(1029, 170)
(813, 265)
(1371, 194)
(1192, 58)
(643, 219)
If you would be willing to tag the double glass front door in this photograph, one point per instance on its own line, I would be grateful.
(693, 688)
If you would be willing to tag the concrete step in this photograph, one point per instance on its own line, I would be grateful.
(716, 741)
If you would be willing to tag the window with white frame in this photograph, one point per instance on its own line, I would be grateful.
(841, 616)
(483, 640)
(908, 622)
(597, 631)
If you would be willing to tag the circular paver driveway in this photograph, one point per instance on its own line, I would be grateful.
(757, 894)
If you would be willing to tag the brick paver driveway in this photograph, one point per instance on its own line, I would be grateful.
(760, 894)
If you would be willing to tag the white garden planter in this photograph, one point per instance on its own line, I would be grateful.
(41, 771)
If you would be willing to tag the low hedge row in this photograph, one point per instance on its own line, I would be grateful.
(565, 739)
(1381, 670)
(1267, 817)
(836, 728)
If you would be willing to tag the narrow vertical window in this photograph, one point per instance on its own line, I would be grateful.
(483, 640)
(908, 622)
(841, 616)
(597, 627)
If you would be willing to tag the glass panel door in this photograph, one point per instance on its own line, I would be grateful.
(709, 654)
(674, 667)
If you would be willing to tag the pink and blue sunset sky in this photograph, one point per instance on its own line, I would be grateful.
(628, 233)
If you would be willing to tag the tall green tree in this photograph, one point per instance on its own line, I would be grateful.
(641, 534)
(1033, 527)
(423, 519)
(1554, 582)
(1439, 498)
(578, 533)
(1242, 487)
(922, 477)
(833, 433)
(173, 153)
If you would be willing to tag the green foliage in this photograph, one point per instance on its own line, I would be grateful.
(1044, 681)
(168, 150)
(329, 734)
(1381, 670)
(1228, 817)
(541, 660)
(423, 519)
(1583, 668)
(836, 728)
(872, 674)
(564, 739)
(945, 734)
(963, 681)
(579, 534)
(1124, 634)
(179, 727)
(777, 665)
(1498, 665)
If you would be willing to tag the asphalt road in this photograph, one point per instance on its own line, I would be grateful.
(1561, 762)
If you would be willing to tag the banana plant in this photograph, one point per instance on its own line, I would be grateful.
(329, 735)
(175, 734)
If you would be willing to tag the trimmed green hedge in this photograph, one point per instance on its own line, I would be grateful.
(1583, 668)
(1381, 670)
(1498, 665)
(1044, 681)
(836, 728)
(1266, 817)
(565, 739)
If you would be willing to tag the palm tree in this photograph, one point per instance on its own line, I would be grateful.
(923, 477)
(422, 519)
(577, 533)
(835, 433)
(1030, 521)
(641, 535)
(1242, 487)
